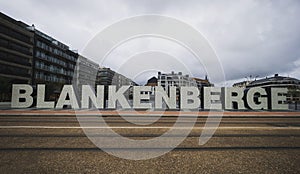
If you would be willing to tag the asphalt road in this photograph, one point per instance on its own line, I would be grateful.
(48, 143)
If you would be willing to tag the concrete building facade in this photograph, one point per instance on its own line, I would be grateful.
(16, 55)
(29, 56)
(174, 79)
(85, 72)
(54, 64)
(178, 79)
(107, 76)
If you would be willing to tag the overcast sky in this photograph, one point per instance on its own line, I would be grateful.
(250, 37)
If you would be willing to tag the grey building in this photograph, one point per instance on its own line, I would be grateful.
(292, 84)
(106, 77)
(16, 55)
(29, 56)
(85, 72)
(54, 64)
(242, 84)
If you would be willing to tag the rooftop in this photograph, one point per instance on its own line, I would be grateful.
(276, 79)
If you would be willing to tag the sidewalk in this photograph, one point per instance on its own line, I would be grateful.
(70, 112)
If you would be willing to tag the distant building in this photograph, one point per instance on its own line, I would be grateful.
(106, 77)
(203, 82)
(277, 81)
(174, 79)
(16, 55)
(152, 82)
(85, 72)
(178, 79)
(242, 84)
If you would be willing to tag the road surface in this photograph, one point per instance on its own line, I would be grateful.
(54, 142)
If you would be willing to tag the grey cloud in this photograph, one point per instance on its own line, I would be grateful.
(251, 37)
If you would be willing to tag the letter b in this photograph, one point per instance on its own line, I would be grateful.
(17, 95)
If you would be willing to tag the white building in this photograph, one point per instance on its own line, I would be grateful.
(175, 79)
